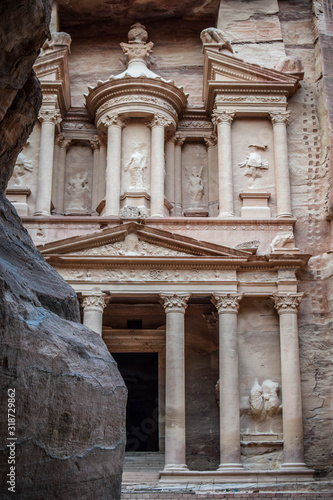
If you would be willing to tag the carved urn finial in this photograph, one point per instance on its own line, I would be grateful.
(137, 34)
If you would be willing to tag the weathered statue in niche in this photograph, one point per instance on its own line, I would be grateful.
(136, 167)
(216, 36)
(194, 185)
(264, 401)
(254, 163)
(22, 166)
(78, 192)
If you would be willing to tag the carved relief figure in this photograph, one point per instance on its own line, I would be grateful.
(253, 162)
(136, 167)
(282, 240)
(195, 186)
(264, 401)
(22, 166)
(78, 191)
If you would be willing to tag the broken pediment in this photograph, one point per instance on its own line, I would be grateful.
(137, 240)
(226, 73)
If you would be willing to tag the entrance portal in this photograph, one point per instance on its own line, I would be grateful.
(140, 373)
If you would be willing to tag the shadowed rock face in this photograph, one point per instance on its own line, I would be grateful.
(69, 396)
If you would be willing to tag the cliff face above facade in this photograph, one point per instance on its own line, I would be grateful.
(65, 394)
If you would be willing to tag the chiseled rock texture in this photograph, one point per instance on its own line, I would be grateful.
(70, 397)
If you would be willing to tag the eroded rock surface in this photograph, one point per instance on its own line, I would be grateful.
(69, 396)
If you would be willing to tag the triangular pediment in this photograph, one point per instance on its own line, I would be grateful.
(136, 240)
(226, 72)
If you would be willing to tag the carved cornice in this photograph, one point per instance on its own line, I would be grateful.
(93, 302)
(223, 117)
(280, 117)
(176, 302)
(49, 115)
(287, 303)
(227, 303)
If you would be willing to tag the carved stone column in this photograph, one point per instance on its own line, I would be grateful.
(157, 124)
(95, 144)
(287, 306)
(58, 187)
(180, 139)
(48, 118)
(223, 119)
(93, 304)
(113, 164)
(102, 168)
(211, 142)
(170, 170)
(175, 445)
(282, 178)
(227, 307)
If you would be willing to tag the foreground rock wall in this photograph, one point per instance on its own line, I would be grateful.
(66, 435)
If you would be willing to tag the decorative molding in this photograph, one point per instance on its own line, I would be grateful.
(280, 117)
(223, 116)
(223, 98)
(287, 303)
(227, 303)
(176, 302)
(135, 98)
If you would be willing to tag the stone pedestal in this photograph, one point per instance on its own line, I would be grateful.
(255, 204)
(18, 196)
(175, 445)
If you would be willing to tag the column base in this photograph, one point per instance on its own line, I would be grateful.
(284, 215)
(294, 465)
(230, 467)
(223, 215)
(42, 213)
(175, 468)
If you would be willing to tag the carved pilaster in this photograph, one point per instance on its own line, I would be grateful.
(174, 302)
(280, 117)
(227, 303)
(287, 303)
(95, 142)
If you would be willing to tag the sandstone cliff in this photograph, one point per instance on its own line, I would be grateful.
(69, 396)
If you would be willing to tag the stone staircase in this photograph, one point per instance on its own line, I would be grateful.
(142, 468)
(141, 482)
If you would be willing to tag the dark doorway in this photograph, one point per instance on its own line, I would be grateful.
(140, 373)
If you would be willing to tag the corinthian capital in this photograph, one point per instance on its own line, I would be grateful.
(93, 301)
(159, 120)
(95, 142)
(63, 141)
(223, 116)
(287, 303)
(49, 115)
(109, 120)
(227, 302)
(180, 139)
(280, 117)
(210, 140)
(174, 301)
